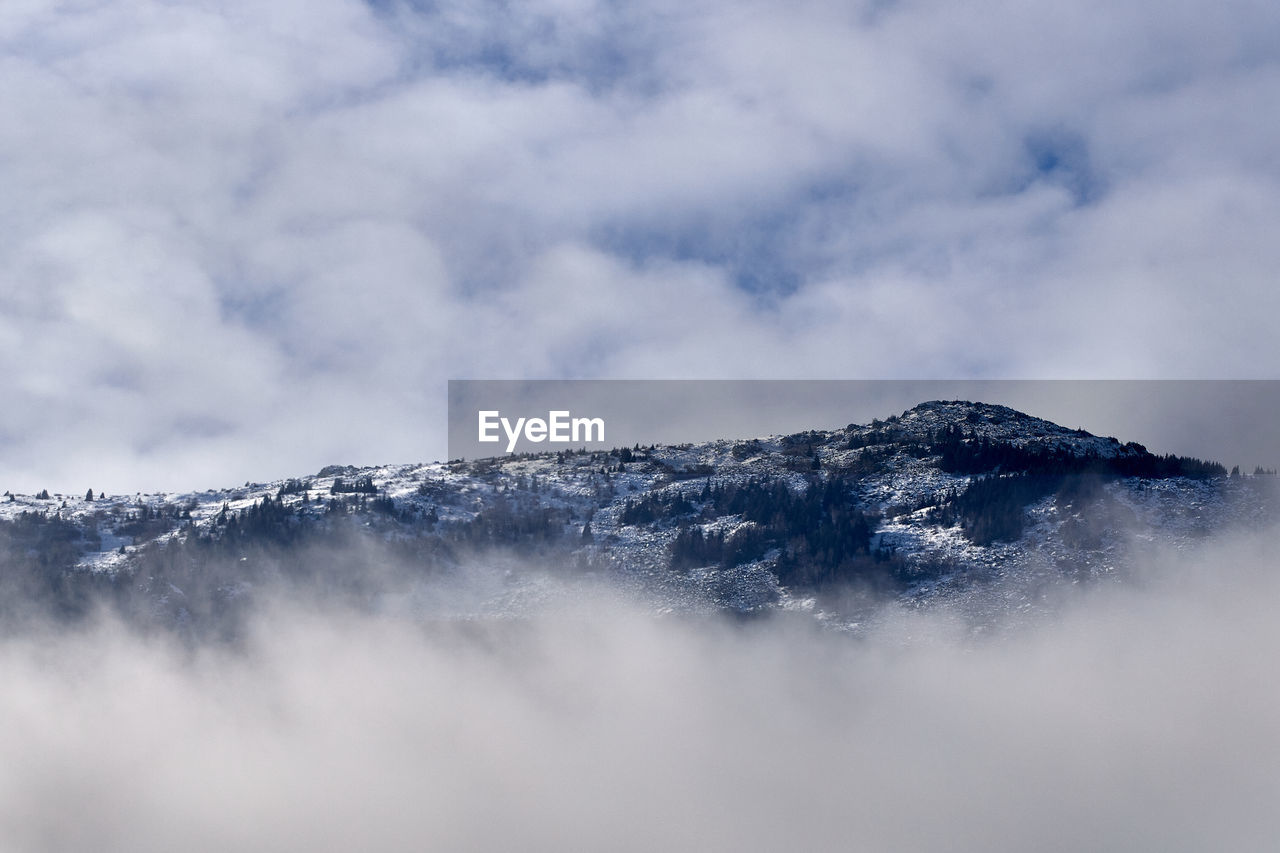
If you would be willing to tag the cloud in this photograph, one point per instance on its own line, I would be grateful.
(1138, 714)
(246, 242)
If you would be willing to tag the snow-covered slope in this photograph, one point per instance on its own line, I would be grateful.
(624, 514)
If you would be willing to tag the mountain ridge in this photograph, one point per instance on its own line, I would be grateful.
(938, 498)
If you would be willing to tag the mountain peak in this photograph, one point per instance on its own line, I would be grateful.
(917, 502)
(922, 423)
(968, 411)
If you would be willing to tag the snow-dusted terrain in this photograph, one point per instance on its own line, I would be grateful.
(576, 503)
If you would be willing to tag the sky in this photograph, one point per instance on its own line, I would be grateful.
(244, 240)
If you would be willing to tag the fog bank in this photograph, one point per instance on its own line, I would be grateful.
(1140, 717)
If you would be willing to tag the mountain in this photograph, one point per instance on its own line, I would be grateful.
(951, 501)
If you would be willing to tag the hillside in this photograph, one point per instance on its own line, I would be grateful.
(945, 502)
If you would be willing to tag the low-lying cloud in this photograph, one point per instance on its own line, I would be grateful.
(1138, 717)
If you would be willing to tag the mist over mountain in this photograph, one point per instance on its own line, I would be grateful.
(252, 243)
(949, 503)
(958, 628)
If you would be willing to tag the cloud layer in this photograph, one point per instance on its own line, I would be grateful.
(248, 241)
(1139, 718)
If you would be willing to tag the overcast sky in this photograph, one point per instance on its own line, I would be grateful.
(243, 240)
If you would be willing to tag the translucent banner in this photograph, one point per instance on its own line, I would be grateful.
(1230, 421)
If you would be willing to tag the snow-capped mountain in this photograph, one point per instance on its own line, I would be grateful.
(947, 501)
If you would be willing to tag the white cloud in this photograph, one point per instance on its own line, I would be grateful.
(246, 241)
(1141, 712)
